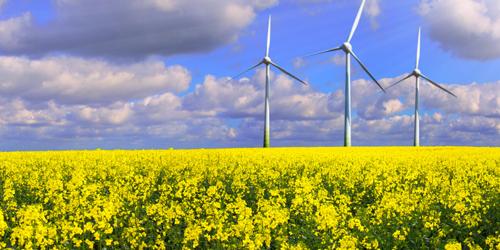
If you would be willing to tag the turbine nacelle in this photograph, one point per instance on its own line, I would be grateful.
(417, 73)
(347, 47)
(267, 60)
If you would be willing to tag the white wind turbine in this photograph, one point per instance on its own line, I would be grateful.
(348, 50)
(418, 74)
(268, 62)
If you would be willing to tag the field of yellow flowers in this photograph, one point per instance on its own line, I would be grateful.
(316, 198)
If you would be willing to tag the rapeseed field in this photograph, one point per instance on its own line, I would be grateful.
(290, 198)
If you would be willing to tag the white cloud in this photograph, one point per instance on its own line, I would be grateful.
(338, 59)
(299, 62)
(2, 3)
(244, 98)
(76, 80)
(130, 29)
(262, 4)
(392, 106)
(113, 115)
(437, 117)
(164, 5)
(11, 28)
(300, 115)
(467, 28)
(473, 99)
(54, 101)
(373, 10)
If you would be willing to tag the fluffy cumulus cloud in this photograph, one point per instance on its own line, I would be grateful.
(219, 112)
(467, 28)
(128, 28)
(72, 80)
(55, 91)
(472, 99)
(472, 118)
(304, 116)
(244, 98)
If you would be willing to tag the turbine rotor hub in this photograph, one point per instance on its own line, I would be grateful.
(267, 60)
(347, 47)
(417, 72)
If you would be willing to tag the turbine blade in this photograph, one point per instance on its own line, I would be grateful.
(418, 49)
(242, 73)
(400, 81)
(437, 85)
(324, 51)
(367, 71)
(268, 46)
(356, 21)
(289, 74)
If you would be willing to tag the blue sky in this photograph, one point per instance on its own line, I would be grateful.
(297, 32)
(154, 74)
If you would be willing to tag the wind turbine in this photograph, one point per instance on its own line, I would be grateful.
(418, 74)
(348, 50)
(268, 62)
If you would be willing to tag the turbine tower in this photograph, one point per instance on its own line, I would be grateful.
(418, 74)
(268, 62)
(348, 50)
